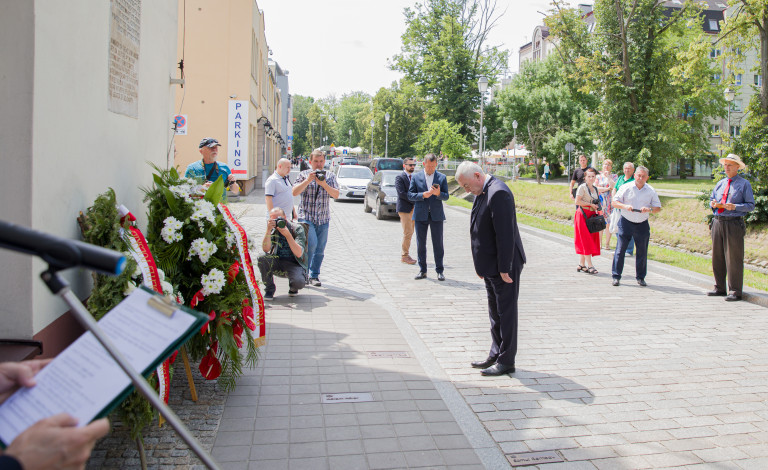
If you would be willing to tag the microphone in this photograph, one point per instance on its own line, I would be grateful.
(60, 253)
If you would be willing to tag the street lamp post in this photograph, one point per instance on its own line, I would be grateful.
(350, 138)
(373, 123)
(321, 128)
(514, 142)
(386, 139)
(313, 135)
(729, 96)
(482, 85)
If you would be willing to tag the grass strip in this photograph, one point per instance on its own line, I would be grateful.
(660, 254)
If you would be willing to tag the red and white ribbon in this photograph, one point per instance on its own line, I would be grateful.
(241, 239)
(151, 278)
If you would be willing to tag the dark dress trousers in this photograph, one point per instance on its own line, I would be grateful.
(402, 183)
(497, 248)
(428, 214)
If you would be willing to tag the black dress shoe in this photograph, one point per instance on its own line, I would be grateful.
(484, 364)
(615, 282)
(440, 277)
(642, 282)
(421, 276)
(716, 293)
(732, 298)
(498, 369)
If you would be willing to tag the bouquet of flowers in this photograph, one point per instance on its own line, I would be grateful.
(192, 238)
(103, 225)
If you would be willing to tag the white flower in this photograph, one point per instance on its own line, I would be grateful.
(171, 231)
(129, 289)
(202, 248)
(161, 274)
(179, 298)
(136, 272)
(231, 238)
(167, 287)
(213, 282)
(182, 190)
(204, 210)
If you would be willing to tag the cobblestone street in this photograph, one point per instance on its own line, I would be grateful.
(607, 377)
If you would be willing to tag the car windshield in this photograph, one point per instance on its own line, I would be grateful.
(390, 164)
(359, 173)
(388, 179)
(350, 161)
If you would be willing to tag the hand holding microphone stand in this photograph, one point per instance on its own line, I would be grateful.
(60, 254)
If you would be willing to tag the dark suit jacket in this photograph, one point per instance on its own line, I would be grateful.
(496, 244)
(401, 185)
(433, 205)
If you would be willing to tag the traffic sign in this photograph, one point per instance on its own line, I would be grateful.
(180, 124)
(569, 147)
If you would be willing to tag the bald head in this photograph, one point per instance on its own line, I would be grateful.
(283, 167)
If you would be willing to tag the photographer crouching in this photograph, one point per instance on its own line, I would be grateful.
(285, 254)
(316, 187)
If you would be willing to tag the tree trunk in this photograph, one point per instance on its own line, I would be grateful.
(142, 454)
(764, 69)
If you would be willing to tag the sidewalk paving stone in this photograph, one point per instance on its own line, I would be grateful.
(607, 377)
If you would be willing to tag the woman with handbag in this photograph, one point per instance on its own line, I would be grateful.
(605, 183)
(587, 243)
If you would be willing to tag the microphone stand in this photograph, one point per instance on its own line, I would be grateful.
(60, 287)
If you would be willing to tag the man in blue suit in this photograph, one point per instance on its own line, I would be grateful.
(428, 190)
(405, 208)
(498, 255)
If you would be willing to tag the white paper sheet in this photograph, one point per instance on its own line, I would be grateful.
(84, 378)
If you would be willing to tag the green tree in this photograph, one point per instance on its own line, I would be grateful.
(445, 50)
(302, 133)
(322, 120)
(547, 111)
(442, 137)
(747, 28)
(407, 113)
(629, 63)
(351, 113)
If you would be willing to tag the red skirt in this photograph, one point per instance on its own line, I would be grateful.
(586, 243)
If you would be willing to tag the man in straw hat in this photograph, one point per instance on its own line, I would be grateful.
(730, 201)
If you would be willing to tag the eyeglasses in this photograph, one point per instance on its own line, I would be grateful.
(409, 164)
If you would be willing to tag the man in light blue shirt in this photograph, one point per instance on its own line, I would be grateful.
(637, 202)
(208, 169)
(278, 190)
(731, 200)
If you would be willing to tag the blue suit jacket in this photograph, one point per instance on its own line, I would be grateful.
(401, 185)
(433, 205)
(496, 244)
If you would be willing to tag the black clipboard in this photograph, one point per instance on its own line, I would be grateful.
(176, 322)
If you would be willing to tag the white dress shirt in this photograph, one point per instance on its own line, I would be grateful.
(637, 198)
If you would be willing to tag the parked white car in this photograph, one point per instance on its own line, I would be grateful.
(353, 179)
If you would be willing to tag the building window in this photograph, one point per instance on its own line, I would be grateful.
(738, 79)
(716, 77)
(254, 61)
(714, 130)
(758, 80)
(737, 105)
(735, 131)
(714, 53)
(713, 26)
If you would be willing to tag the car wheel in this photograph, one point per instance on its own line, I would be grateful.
(379, 212)
(366, 207)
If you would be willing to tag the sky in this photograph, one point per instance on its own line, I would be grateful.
(341, 46)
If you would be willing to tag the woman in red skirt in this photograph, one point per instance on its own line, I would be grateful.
(587, 244)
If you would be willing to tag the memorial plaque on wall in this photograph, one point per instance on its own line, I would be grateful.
(124, 40)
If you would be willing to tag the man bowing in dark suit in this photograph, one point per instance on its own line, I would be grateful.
(428, 190)
(498, 254)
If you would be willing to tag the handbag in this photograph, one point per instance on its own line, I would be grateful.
(615, 216)
(595, 224)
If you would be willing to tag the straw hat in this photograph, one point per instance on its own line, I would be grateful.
(733, 158)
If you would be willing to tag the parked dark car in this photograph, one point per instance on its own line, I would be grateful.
(379, 164)
(381, 194)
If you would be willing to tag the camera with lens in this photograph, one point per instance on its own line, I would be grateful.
(596, 202)
(320, 175)
(280, 222)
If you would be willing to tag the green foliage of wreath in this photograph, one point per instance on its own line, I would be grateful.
(181, 219)
(100, 225)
